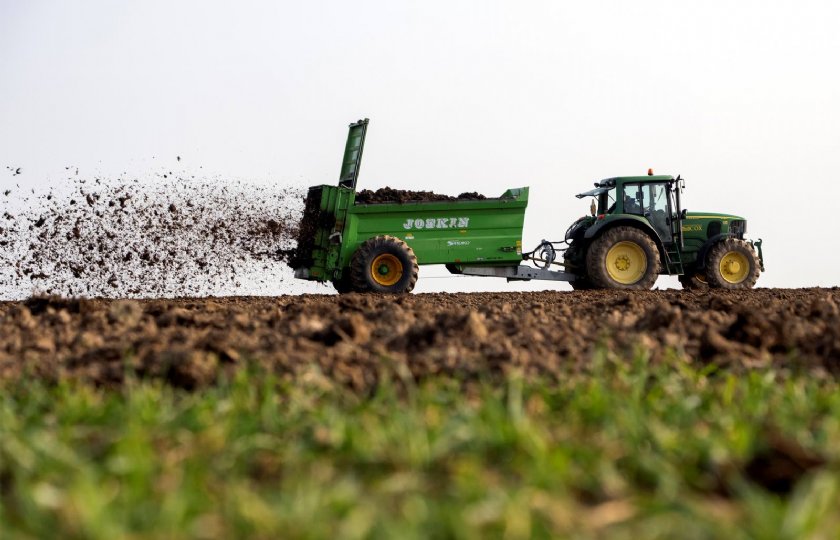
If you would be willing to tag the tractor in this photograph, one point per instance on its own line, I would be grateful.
(638, 230)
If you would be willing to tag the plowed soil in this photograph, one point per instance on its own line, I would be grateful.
(354, 339)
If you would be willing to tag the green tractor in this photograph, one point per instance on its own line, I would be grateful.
(638, 230)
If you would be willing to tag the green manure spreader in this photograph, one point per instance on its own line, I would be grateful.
(637, 231)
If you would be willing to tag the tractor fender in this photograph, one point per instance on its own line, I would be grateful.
(602, 226)
(704, 249)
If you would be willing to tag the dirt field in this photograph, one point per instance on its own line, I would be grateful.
(353, 338)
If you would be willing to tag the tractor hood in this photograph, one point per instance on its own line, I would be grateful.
(713, 215)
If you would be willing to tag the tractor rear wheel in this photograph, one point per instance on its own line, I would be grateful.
(581, 284)
(694, 281)
(572, 264)
(623, 258)
(343, 285)
(384, 264)
(732, 264)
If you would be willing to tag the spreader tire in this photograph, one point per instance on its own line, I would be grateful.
(384, 264)
(623, 258)
(732, 264)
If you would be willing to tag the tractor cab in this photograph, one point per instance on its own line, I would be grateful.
(652, 200)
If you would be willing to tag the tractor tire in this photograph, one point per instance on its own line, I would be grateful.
(694, 281)
(732, 264)
(623, 258)
(384, 264)
(344, 285)
(582, 284)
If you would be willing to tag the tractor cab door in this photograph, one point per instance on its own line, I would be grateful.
(675, 221)
(677, 214)
(651, 200)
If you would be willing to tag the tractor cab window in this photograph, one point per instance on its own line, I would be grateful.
(652, 202)
(634, 199)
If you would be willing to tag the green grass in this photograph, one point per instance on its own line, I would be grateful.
(624, 450)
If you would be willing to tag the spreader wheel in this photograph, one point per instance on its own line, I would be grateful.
(384, 264)
(732, 264)
(623, 258)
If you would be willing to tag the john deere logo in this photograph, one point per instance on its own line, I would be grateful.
(437, 223)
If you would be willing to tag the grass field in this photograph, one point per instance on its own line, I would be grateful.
(623, 449)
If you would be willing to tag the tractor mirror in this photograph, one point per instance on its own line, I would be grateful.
(592, 207)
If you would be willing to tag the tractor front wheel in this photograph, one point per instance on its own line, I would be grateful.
(623, 258)
(732, 264)
(384, 264)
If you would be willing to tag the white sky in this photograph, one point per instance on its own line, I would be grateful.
(741, 98)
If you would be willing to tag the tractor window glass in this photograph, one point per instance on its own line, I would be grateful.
(634, 199)
(650, 201)
(657, 209)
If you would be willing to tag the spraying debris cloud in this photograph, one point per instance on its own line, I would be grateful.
(172, 235)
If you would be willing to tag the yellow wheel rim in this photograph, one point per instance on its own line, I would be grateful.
(626, 262)
(734, 267)
(386, 269)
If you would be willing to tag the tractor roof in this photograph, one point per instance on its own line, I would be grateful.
(610, 182)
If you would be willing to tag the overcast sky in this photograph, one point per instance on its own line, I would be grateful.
(741, 98)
